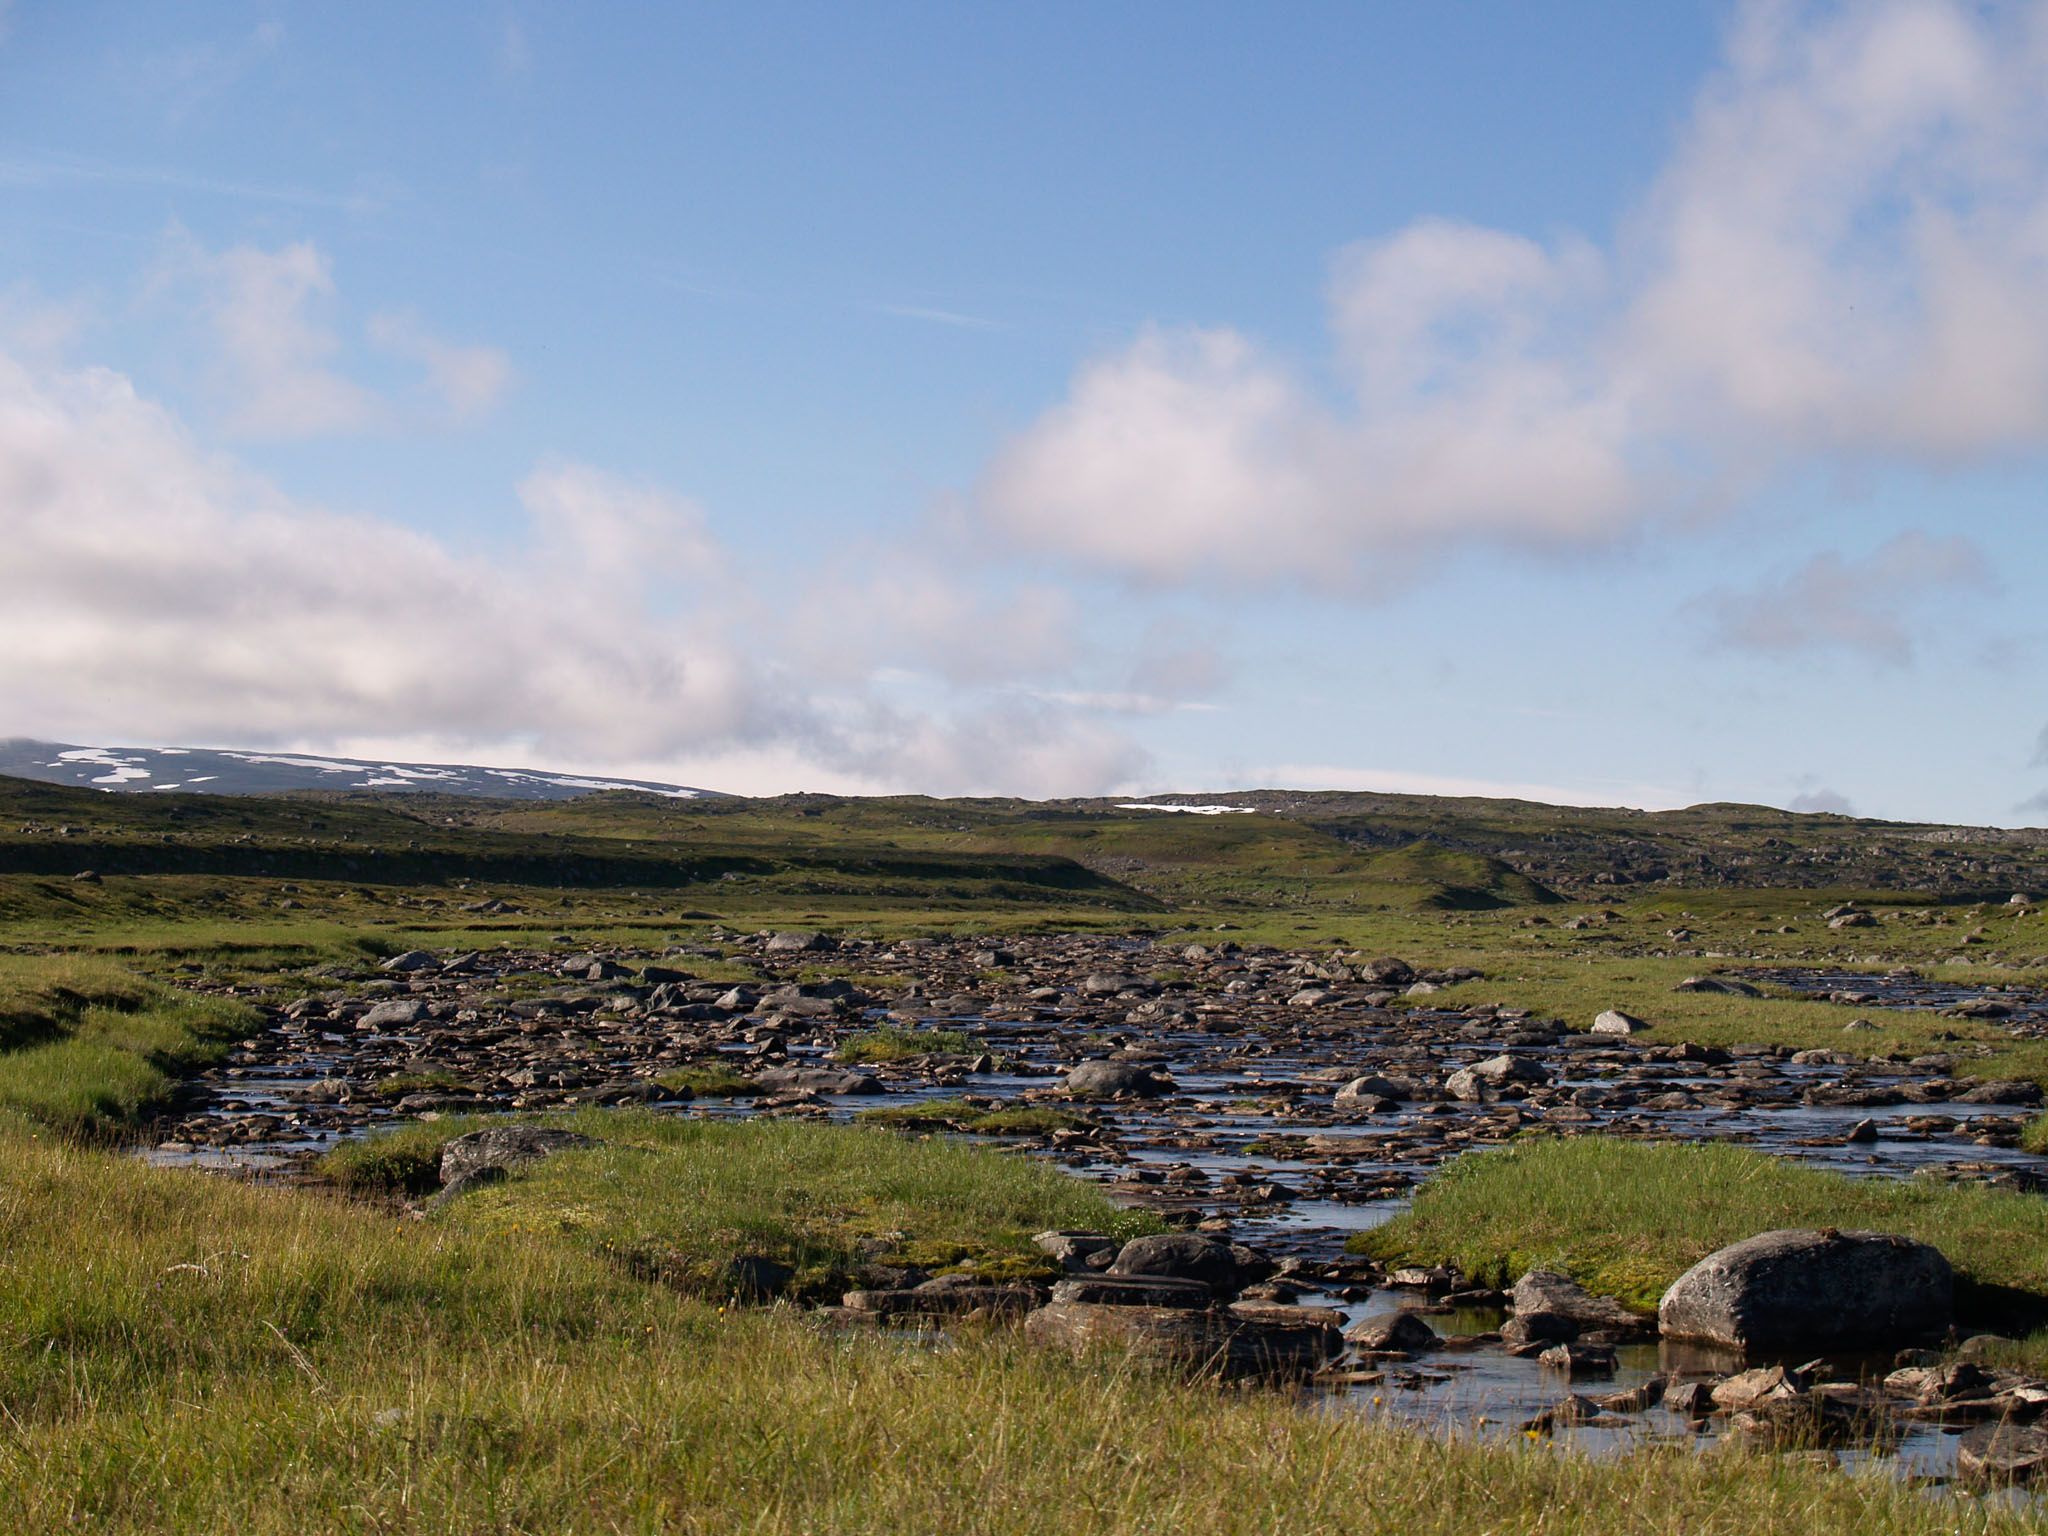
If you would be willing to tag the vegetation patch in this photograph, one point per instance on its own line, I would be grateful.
(405, 1160)
(959, 1115)
(1625, 1218)
(89, 1048)
(709, 1080)
(680, 1199)
(892, 1043)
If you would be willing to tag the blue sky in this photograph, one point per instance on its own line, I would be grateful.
(1606, 403)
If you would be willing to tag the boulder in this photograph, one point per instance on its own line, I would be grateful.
(1721, 984)
(1362, 1088)
(1812, 1290)
(393, 1015)
(1615, 1022)
(1546, 1293)
(1475, 1082)
(1387, 971)
(504, 1147)
(1077, 1252)
(1109, 1079)
(1203, 1341)
(800, 943)
(413, 960)
(1577, 1360)
(1183, 1256)
(1391, 1332)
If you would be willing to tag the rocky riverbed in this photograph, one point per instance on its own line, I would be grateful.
(1283, 1099)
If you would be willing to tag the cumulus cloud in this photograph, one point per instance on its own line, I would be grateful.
(1846, 254)
(1834, 602)
(277, 349)
(155, 591)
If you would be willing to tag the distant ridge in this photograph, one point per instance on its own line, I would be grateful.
(219, 772)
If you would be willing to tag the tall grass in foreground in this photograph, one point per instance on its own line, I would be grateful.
(1627, 1218)
(89, 1048)
(183, 1354)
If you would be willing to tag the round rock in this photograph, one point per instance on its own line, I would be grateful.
(1812, 1290)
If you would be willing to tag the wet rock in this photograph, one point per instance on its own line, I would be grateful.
(2002, 1453)
(821, 1080)
(1363, 1090)
(2002, 1093)
(1572, 1412)
(1183, 1256)
(1804, 1289)
(1545, 1292)
(1577, 1360)
(1637, 1399)
(504, 1147)
(1861, 1132)
(1745, 1389)
(1111, 1079)
(1393, 1332)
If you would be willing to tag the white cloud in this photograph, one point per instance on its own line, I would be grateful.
(1396, 781)
(470, 381)
(1821, 800)
(277, 350)
(1834, 602)
(1847, 253)
(155, 592)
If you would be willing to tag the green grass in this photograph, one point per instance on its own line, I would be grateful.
(1022, 1120)
(679, 1198)
(405, 1159)
(180, 1353)
(1627, 1218)
(435, 1080)
(892, 1043)
(709, 1080)
(92, 1049)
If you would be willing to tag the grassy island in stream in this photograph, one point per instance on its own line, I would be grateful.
(1627, 1218)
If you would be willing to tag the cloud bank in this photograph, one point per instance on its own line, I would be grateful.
(1846, 254)
(155, 591)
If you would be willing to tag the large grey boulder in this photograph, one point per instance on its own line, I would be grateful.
(1108, 1079)
(1183, 1256)
(1810, 1290)
(400, 1014)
